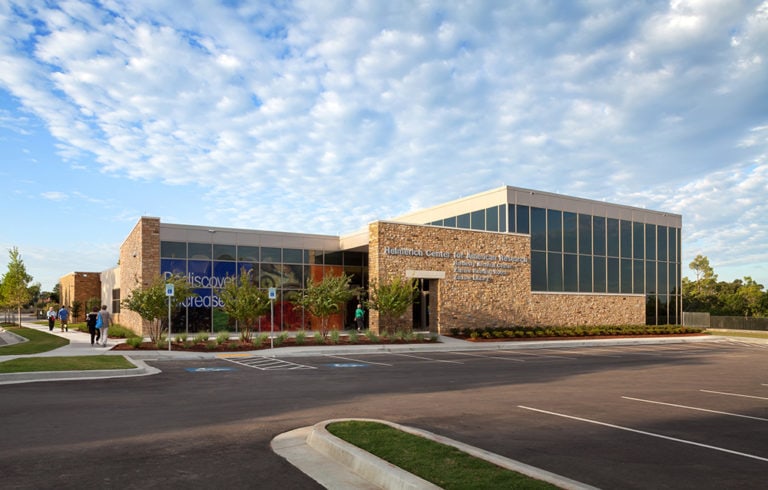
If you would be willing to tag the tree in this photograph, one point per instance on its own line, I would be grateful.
(392, 299)
(151, 303)
(15, 283)
(324, 298)
(245, 302)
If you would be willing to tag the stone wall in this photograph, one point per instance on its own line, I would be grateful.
(483, 280)
(80, 287)
(139, 266)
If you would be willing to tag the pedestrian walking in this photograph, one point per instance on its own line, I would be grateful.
(106, 320)
(64, 318)
(51, 315)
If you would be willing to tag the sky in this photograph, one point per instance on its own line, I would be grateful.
(322, 116)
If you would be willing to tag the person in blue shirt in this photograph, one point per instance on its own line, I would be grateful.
(64, 318)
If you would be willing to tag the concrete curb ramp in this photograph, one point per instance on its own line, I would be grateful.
(337, 464)
(141, 369)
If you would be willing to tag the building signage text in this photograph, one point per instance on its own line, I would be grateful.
(467, 266)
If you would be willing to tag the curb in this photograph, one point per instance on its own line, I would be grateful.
(141, 369)
(312, 449)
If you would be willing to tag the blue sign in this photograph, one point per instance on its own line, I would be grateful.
(347, 365)
(169, 289)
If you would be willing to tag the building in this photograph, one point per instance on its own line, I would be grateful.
(503, 257)
(78, 290)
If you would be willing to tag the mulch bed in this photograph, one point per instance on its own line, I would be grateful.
(583, 337)
(237, 346)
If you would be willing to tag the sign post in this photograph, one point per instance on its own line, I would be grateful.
(169, 291)
(272, 296)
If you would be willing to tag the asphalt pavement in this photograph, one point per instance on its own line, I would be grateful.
(330, 461)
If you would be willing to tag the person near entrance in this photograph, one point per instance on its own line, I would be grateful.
(359, 317)
(64, 318)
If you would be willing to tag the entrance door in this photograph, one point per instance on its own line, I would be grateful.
(421, 306)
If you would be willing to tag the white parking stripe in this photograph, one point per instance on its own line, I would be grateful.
(427, 358)
(360, 360)
(694, 408)
(735, 394)
(645, 433)
(488, 357)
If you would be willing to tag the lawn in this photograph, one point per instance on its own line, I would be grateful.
(438, 463)
(38, 342)
(68, 363)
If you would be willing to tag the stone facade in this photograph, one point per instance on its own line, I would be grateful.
(482, 279)
(81, 287)
(139, 266)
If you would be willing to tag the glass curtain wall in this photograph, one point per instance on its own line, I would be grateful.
(208, 267)
(583, 253)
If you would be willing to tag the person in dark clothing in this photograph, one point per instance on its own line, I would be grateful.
(91, 322)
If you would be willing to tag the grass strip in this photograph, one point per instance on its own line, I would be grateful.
(438, 463)
(38, 342)
(67, 363)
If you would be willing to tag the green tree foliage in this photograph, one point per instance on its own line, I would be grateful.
(151, 303)
(392, 299)
(323, 299)
(736, 298)
(15, 283)
(245, 302)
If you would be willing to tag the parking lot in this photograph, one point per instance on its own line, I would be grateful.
(632, 416)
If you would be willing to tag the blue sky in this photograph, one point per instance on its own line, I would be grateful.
(321, 116)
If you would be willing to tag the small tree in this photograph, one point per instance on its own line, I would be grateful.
(391, 299)
(15, 283)
(324, 298)
(151, 303)
(77, 305)
(245, 302)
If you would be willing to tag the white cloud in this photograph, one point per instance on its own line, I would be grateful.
(271, 113)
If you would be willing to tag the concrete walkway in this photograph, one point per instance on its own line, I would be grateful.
(332, 462)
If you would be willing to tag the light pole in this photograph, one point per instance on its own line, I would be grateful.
(211, 232)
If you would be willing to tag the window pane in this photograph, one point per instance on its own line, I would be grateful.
(173, 267)
(223, 270)
(662, 244)
(450, 222)
(333, 258)
(570, 273)
(638, 241)
(598, 234)
(463, 221)
(173, 250)
(224, 252)
(353, 258)
(662, 278)
(650, 277)
(270, 254)
(613, 275)
(523, 221)
(612, 237)
(638, 276)
(585, 273)
(554, 271)
(650, 242)
(248, 254)
(538, 271)
(478, 220)
(492, 219)
(293, 255)
(554, 230)
(199, 251)
(538, 229)
(626, 239)
(569, 232)
(599, 274)
(503, 218)
(626, 276)
(673, 244)
(585, 234)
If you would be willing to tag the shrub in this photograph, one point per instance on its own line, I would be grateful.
(222, 337)
(301, 336)
(134, 342)
(319, 340)
(371, 337)
(353, 337)
(181, 338)
(335, 336)
(201, 337)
